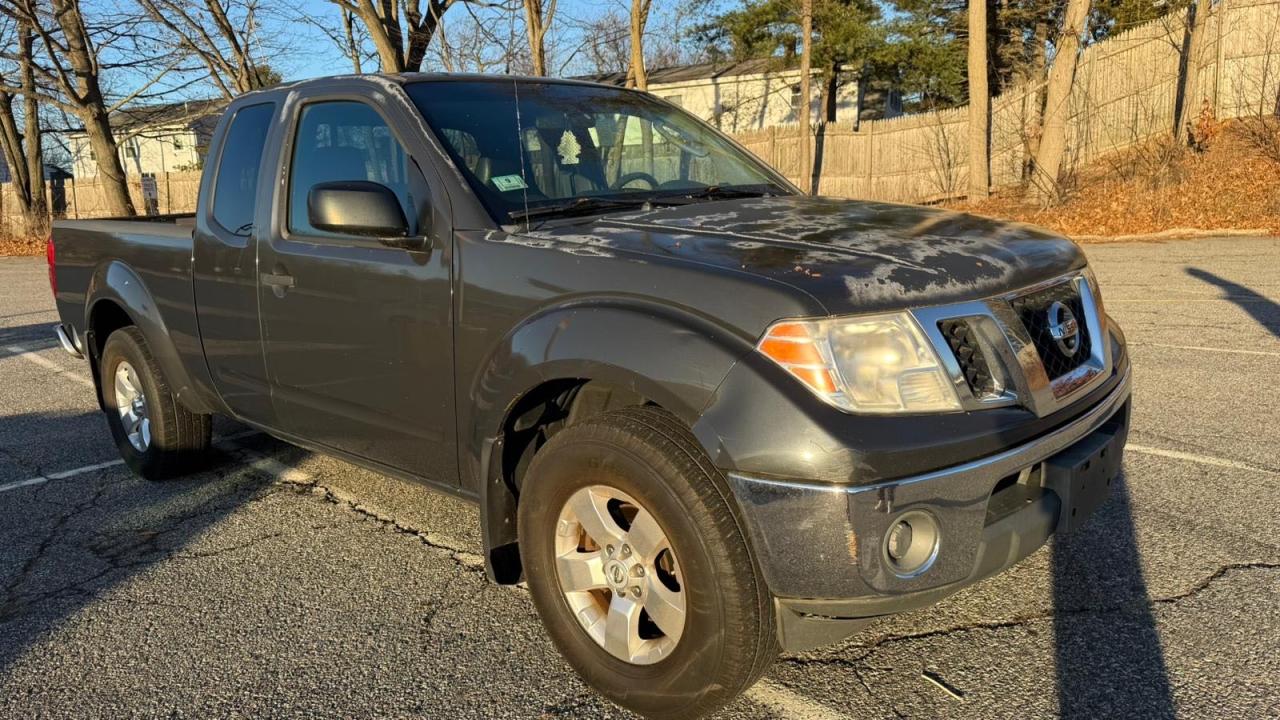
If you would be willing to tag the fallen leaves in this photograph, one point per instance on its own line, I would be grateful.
(21, 246)
(1231, 185)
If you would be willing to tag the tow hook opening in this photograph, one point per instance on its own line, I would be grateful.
(911, 543)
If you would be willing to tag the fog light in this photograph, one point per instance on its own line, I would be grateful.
(911, 543)
(899, 540)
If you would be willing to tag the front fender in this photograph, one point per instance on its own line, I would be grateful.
(115, 282)
(670, 356)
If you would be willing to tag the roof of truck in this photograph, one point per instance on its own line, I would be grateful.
(403, 78)
(406, 78)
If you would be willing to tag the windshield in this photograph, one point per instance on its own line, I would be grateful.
(572, 148)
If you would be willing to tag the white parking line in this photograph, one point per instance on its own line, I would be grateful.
(789, 705)
(1202, 459)
(31, 356)
(1210, 349)
(263, 463)
(42, 479)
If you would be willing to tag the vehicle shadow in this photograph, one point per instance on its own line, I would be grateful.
(1262, 309)
(1110, 662)
(71, 544)
(36, 336)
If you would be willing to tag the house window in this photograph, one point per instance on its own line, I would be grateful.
(795, 101)
(130, 151)
(677, 100)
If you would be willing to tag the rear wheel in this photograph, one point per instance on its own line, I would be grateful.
(157, 436)
(639, 567)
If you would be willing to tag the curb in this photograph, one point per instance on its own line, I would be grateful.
(1176, 234)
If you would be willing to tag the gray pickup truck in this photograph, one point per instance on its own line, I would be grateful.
(706, 417)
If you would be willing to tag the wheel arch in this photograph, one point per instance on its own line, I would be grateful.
(586, 360)
(119, 298)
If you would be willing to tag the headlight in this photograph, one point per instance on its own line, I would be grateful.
(869, 364)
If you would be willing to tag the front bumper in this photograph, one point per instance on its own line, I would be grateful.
(822, 547)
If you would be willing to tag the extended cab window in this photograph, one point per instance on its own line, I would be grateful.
(235, 192)
(343, 140)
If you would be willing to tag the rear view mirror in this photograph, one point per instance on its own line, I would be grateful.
(356, 207)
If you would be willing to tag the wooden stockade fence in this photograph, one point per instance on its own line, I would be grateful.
(1125, 93)
(71, 198)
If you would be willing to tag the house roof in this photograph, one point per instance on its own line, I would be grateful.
(138, 117)
(50, 171)
(698, 71)
(186, 112)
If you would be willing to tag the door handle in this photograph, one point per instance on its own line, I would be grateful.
(278, 283)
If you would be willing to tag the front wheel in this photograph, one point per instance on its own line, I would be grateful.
(639, 567)
(156, 435)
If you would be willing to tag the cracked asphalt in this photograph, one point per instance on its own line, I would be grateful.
(285, 584)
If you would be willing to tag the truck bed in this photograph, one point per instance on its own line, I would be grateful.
(157, 250)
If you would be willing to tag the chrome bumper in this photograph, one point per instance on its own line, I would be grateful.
(823, 545)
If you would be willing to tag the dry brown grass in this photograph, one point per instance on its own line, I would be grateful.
(1231, 184)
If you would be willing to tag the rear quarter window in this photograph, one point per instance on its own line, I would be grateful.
(235, 190)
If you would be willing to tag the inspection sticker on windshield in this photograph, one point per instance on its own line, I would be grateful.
(506, 183)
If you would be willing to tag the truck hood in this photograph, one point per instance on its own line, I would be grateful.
(852, 256)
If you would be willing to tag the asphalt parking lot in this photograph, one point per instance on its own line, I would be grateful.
(282, 583)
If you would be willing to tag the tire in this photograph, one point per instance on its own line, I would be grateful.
(646, 456)
(174, 439)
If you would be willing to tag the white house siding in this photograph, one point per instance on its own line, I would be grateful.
(740, 103)
(160, 150)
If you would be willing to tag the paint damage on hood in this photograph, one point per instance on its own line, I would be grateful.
(853, 256)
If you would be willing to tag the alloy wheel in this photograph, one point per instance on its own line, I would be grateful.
(619, 575)
(132, 406)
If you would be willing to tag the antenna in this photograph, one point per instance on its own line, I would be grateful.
(524, 181)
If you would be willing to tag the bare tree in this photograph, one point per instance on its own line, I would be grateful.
(74, 74)
(221, 34)
(350, 37)
(492, 42)
(1188, 99)
(23, 148)
(637, 75)
(941, 150)
(605, 38)
(606, 47)
(979, 103)
(1053, 138)
(349, 42)
(538, 16)
(805, 116)
(400, 30)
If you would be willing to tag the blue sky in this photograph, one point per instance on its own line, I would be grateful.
(315, 55)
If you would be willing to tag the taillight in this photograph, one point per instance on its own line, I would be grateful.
(51, 257)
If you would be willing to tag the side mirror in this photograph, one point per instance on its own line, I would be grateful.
(357, 207)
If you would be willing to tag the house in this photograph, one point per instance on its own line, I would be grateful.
(153, 139)
(749, 94)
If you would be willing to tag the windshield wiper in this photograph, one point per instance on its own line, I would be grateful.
(717, 192)
(577, 206)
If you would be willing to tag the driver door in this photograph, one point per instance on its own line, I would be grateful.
(358, 335)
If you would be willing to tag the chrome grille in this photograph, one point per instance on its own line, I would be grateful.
(1033, 310)
(1001, 350)
(973, 362)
